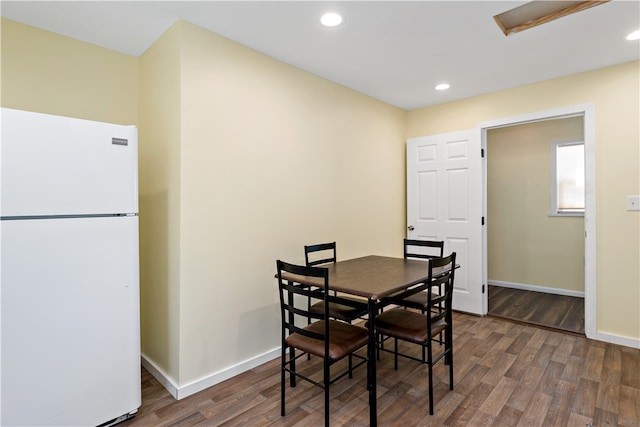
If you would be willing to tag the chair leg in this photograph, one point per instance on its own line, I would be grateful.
(309, 319)
(326, 391)
(395, 353)
(350, 366)
(424, 357)
(430, 363)
(449, 342)
(283, 360)
(292, 365)
(451, 370)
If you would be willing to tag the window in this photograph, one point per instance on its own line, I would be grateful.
(567, 178)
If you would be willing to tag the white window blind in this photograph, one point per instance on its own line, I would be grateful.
(568, 179)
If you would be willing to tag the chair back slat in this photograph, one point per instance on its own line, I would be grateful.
(441, 277)
(302, 290)
(416, 289)
(349, 302)
(321, 253)
(293, 328)
(434, 247)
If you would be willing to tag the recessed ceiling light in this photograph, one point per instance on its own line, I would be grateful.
(442, 86)
(331, 19)
(634, 36)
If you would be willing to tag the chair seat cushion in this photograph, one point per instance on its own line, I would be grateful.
(344, 338)
(341, 311)
(407, 325)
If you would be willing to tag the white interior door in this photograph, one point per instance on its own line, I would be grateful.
(444, 202)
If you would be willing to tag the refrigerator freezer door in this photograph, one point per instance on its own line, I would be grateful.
(70, 321)
(55, 165)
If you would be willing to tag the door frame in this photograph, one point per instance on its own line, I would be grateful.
(587, 111)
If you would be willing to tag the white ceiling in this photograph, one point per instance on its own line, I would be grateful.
(395, 51)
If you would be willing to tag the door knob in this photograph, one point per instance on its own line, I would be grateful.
(411, 228)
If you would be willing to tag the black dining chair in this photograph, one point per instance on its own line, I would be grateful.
(323, 253)
(419, 300)
(425, 329)
(420, 250)
(329, 339)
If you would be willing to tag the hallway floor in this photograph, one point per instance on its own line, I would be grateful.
(559, 312)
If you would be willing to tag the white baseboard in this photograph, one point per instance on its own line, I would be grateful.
(535, 288)
(164, 379)
(616, 339)
(180, 392)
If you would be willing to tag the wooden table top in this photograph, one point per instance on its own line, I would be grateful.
(372, 276)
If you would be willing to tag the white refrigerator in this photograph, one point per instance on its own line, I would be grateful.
(70, 327)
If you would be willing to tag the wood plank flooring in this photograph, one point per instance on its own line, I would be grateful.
(561, 312)
(506, 374)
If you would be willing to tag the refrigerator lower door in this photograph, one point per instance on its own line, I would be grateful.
(70, 321)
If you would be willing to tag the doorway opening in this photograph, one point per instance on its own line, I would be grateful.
(585, 114)
(535, 252)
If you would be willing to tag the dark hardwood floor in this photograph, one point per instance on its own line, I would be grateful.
(506, 374)
(547, 310)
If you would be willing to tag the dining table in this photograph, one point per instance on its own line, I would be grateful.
(373, 278)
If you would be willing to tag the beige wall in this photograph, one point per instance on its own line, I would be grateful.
(271, 158)
(159, 142)
(525, 244)
(48, 73)
(615, 93)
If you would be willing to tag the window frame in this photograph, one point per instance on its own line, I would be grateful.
(554, 210)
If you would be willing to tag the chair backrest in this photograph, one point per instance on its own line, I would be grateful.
(295, 312)
(441, 277)
(320, 253)
(416, 249)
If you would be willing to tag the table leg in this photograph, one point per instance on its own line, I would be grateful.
(371, 366)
